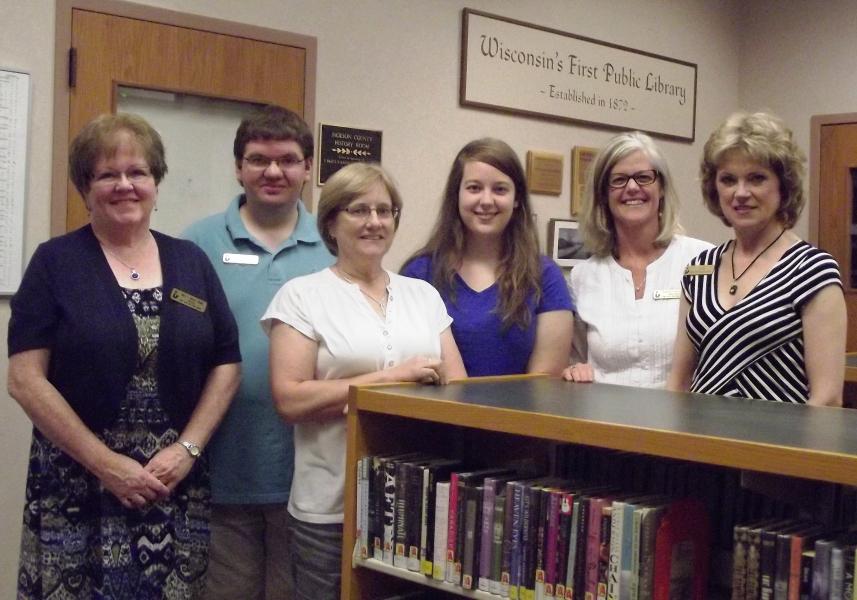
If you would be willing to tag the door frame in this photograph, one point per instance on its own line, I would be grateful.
(816, 123)
(121, 8)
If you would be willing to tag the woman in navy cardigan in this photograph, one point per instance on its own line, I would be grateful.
(123, 352)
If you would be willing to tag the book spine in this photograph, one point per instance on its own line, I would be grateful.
(783, 564)
(604, 552)
(552, 542)
(537, 577)
(487, 531)
(563, 543)
(821, 570)
(648, 536)
(508, 525)
(389, 510)
(807, 569)
(400, 517)
(848, 573)
(377, 519)
(515, 568)
(529, 512)
(796, 550)
(739, 562)
(472, 502)
(452, 529)
(837, 572)
(593, 547)
(415, 518)
(579, 586)
(625, 554)
(767, 564)
(634, 581)
(441, 514)
(614, 567)
(754, 550)
(497, 543)
(361, 532)
(427, 521)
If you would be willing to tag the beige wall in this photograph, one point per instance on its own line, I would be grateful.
(393, 66)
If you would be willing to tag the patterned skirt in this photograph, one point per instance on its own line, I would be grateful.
(79, 542)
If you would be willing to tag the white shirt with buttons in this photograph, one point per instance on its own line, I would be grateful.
(629, 341)
(352, 340)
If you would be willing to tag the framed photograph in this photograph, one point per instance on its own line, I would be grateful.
(564, 243)
(582, 158)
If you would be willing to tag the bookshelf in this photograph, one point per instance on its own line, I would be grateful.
(490, 420)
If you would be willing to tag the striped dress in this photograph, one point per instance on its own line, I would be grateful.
(756, 349)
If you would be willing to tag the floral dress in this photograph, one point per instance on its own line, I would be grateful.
(79, 541)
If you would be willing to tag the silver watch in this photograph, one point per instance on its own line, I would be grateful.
(192, 449)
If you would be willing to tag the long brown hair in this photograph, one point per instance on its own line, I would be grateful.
(520, 267)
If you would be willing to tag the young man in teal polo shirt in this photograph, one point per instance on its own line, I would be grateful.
(265, 237)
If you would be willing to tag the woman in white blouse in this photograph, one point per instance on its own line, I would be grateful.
(353, 323)
(627, 295)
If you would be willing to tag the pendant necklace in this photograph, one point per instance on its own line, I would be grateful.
(734, 287)
(381, 305)
(135, 274)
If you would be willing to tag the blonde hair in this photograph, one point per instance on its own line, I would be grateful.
(765, 139)
(344, 186)
(596, 221)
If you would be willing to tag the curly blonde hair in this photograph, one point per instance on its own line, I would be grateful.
(763, 138)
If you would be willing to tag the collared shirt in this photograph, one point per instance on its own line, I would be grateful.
(252, 453)
(629, 341)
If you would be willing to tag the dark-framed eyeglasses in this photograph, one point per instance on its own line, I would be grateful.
(641, 178)
(363, 212)
(261, 162)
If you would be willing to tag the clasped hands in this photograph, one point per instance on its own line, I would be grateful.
(138, 486)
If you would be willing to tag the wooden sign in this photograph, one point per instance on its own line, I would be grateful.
(544, 172)
(568, 77)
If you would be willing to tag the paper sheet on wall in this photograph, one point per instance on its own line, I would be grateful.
(14, 123)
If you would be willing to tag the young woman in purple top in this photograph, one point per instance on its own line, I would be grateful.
(510, 305)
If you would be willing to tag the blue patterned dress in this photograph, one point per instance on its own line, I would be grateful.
(78, 541)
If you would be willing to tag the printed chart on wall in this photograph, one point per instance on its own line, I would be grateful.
(14, 123)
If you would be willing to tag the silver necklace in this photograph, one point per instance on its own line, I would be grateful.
(135, 274)
(381, 305)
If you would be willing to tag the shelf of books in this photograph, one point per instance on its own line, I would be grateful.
(532, 488)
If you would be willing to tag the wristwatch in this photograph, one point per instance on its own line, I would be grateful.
(192, 449)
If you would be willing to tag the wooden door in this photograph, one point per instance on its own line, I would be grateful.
(837, 209)
(164, 51)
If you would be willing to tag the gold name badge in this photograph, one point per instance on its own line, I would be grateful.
(667, 294)
(188, 300)
(694, 270)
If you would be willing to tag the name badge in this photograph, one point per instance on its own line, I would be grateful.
(667, 294)
(240, 259)
(694, 270)
(189, 300)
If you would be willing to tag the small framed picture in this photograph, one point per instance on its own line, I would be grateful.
(564, 243)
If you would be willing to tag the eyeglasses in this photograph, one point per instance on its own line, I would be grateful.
(363, 212)
(261, 163)
(135, 176)
(641, 178)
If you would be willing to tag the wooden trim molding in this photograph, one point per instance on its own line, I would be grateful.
(816, 122)
(121, 8)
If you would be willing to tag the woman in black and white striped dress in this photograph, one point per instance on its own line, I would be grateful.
(763, 315)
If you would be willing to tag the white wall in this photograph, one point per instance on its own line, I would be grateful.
(797, 60)
(393, 66)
